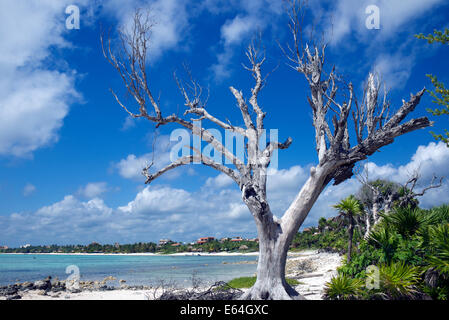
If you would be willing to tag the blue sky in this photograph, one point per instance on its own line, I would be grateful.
(70, 158)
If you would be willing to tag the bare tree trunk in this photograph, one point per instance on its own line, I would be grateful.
(375, 206)
(368, 225)
(271, 283)
(275, 236)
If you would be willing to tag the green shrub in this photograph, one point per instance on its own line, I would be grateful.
(439, 258)
(398, 281)
(407, 221)
(343, 287)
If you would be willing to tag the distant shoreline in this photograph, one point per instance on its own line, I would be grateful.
(224, 254)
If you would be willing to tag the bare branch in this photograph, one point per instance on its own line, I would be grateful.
(198, 157)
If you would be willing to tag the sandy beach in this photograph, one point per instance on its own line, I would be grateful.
(311, 268)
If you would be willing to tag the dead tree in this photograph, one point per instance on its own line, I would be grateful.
(376, 196)
(336, 158)
(407, 195)
(380, 196)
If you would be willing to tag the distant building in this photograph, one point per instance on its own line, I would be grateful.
(254, 240)
(163, 242)
(205, 240)
(4, 247)
(26, 246)
(94, 244)
(224, 239)
(177, 244)
(236, 239)
(116, 245)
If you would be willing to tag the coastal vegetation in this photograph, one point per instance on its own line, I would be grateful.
(405, 256)
(142, 247)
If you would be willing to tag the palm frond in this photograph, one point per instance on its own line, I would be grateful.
(399, 281)
(343, 287)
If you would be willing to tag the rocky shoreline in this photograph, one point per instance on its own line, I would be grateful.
(56, 288)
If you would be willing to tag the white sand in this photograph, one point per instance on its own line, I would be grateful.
(321, 268)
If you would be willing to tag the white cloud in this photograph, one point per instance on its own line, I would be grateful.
(220, 181)
(93, 189)
(388, 54)
(170, 19)
(253, 16)
(159, 212)
(28, 189)
(32, 112)
(395, 68)
(235, 30)
(153, 201)
(349, 17)
(131, 167)
(128, 123)
(429, 161)
(33, 99)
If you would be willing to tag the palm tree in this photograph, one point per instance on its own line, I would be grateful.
(322, 224)
(349, 208)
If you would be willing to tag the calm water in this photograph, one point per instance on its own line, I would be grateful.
(136, 270)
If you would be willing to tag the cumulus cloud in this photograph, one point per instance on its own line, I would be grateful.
(67, 221)
(155, 212)
(220, 181)
(429, 161)
(131, 166)
(162, 211)
(93, 189)
(34, 100)
(157, 201)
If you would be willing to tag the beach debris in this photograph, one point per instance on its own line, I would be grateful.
(218, 291)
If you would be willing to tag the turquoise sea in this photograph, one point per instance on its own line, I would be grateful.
(136, 270)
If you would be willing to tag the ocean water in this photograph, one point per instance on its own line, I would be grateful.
(136, 270)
